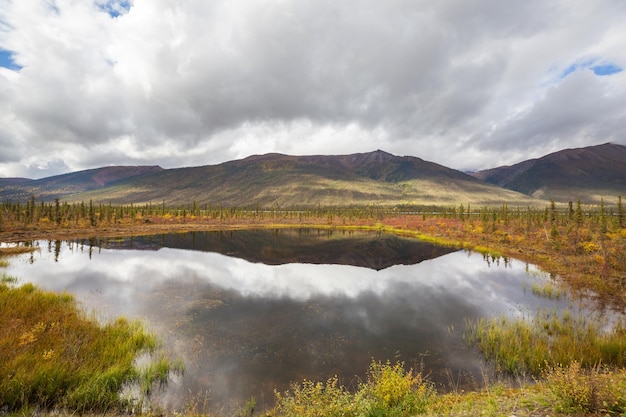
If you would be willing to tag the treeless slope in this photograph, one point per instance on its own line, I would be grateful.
(287, 181)
(60, 186)
(587, 174)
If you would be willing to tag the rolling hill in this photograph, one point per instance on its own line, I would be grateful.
(279, 180)
(74, 183)
(289, 181)
(586, 174)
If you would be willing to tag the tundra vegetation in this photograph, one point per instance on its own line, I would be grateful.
(54, 356)
(562, 364)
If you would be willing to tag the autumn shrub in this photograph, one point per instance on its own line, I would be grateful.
(319, 399)
(594, 390)
(396, 392)
(390, 390)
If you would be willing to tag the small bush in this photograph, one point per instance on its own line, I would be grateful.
(389, 391)
(591, 391)
(318, 399)
(396, 391)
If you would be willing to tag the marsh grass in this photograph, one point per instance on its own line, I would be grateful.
(53, 356)
(522, 347)
(548, 290)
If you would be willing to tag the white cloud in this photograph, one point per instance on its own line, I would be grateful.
(466, 84)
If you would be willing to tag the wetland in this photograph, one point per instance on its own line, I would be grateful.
(250, 311)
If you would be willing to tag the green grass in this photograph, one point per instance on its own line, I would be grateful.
(52, 356)
(548, 290)
(527, 347)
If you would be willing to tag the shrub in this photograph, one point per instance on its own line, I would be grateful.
(317, 399)
(591, 391)
(390, 390)
(397, 392)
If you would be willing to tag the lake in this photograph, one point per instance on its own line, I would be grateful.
(250, 311)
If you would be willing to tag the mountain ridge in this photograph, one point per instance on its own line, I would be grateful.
(285, 180)
(376, 177)
(58, 186)
(587, 174)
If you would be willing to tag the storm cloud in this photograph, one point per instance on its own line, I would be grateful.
(469, 85)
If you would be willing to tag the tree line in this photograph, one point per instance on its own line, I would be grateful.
(64, 214)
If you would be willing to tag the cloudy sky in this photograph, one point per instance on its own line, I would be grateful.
(467, 84)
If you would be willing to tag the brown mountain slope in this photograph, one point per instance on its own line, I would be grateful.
(588, 174)
(288, 181)
(60, 186)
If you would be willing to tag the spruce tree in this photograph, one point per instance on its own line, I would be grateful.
(620, 212)
(603, 227)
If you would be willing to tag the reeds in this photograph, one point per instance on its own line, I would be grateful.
(548, 290)
(549, 339)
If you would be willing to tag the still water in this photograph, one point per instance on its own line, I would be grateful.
(251, 311)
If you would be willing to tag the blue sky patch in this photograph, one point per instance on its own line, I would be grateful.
(598, 69)
(116, 8)
(6, 60)
(606, 69)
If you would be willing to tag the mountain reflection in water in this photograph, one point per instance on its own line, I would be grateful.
(251, 311)
(375, 250)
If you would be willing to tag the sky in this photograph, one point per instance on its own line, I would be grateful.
(466, 84)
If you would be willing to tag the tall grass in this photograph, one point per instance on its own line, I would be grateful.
(53, 356)
(548, 290)
(549, 340)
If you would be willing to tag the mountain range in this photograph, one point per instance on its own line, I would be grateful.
(375, 177)
(586, 174)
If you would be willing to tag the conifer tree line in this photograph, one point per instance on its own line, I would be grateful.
(63, 214)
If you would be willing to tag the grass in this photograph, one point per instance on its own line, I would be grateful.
(52, 356)
(548, 290)
(527, 347)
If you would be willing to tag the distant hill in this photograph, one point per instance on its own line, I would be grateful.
(62, 186)
(588, 174)
(280, 180)
(8, 182)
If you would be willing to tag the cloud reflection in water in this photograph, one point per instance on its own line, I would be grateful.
(245, 328)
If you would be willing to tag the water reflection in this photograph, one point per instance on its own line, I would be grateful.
(374, 250)
(244, 327)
